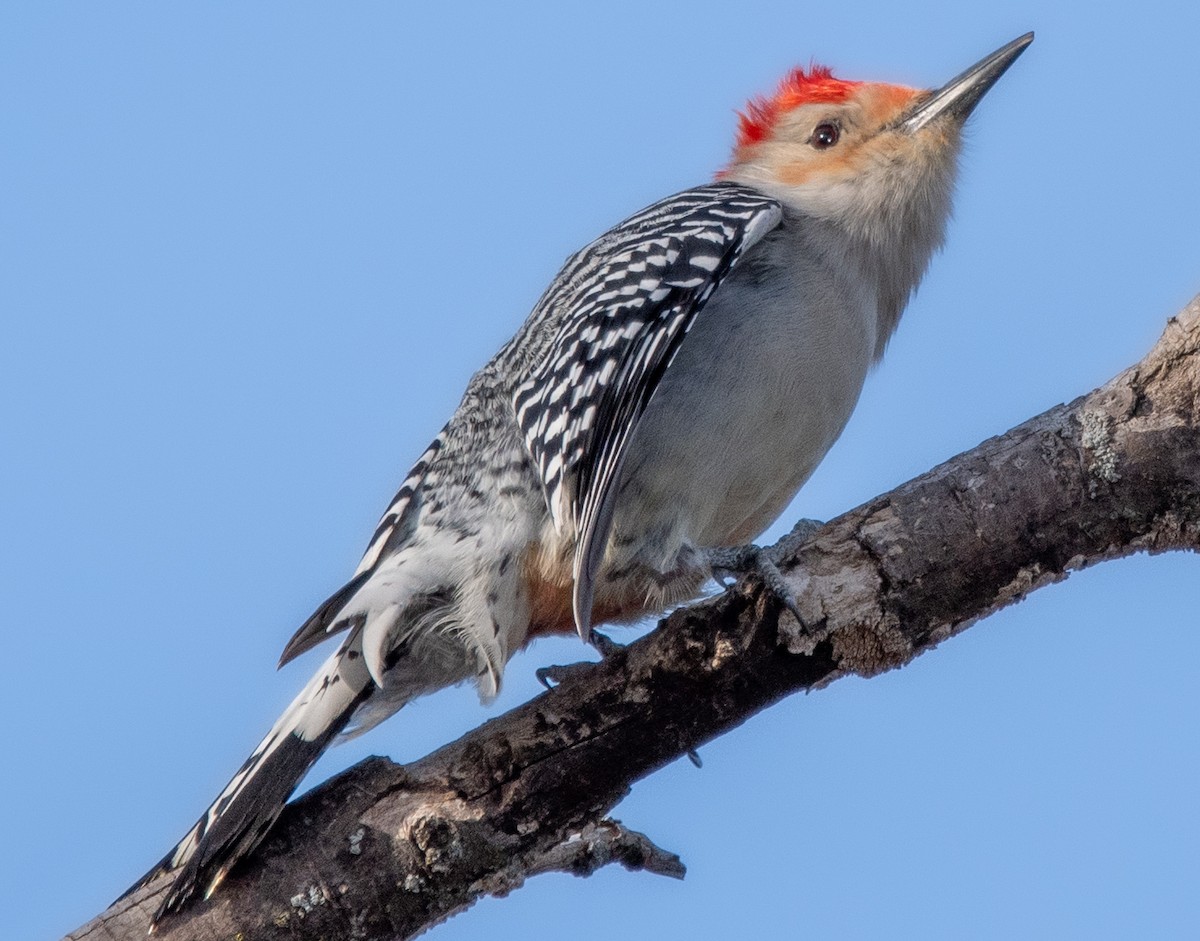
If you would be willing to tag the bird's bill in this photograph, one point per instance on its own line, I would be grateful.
(959, 96)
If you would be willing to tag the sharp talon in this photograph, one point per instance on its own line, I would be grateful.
(781, 591)
(694, 757)
(551, 676)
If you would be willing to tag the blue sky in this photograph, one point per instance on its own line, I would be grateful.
(251, 253)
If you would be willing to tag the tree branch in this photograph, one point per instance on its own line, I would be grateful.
(384, 851)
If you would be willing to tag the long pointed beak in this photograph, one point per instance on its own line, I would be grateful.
(959, 96)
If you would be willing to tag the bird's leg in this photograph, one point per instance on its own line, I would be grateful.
(735, 562)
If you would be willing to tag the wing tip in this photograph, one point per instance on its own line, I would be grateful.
(324, 622)
(581, 604)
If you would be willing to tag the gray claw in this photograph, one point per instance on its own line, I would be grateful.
(557, 673)
(745, 560)
(550, 676)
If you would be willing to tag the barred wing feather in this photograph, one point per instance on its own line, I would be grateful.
(622, 306)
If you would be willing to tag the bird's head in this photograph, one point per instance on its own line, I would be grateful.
(864, 155)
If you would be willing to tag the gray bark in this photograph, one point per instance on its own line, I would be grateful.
(384, 851)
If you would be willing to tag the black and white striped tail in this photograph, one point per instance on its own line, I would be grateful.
(245, 810)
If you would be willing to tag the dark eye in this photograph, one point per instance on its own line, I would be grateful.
(824, 136)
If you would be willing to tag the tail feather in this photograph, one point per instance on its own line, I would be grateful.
(245, 810)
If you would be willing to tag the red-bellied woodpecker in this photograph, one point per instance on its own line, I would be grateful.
(672, 389)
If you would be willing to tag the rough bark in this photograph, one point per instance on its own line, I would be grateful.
(384, 851)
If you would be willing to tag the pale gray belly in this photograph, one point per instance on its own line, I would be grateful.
(741, 419)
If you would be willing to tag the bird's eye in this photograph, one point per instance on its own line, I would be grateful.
(824, 136)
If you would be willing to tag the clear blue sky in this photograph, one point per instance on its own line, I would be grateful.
(251, 254)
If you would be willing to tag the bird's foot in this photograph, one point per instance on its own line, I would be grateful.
(605, 646)
(734, 562)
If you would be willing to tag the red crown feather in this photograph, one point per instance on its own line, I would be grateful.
(816, 86)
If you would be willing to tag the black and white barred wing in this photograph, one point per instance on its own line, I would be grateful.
(623, 306)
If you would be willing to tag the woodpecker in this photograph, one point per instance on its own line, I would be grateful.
(674, 387)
